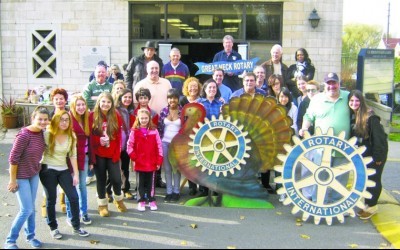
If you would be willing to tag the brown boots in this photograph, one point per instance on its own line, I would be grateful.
(103, 207)
(63, 206)
(44, 208)
(119, 203)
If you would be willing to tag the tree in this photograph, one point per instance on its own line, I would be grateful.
(356, 37)
(397, 70)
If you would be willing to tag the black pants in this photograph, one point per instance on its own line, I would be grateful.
(50, 179)
(103, 167)
(146, 187)
(192, 185)
(375, 191)
(125, 160)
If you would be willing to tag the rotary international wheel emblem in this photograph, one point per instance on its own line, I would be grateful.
(319, 187)
(219, 146)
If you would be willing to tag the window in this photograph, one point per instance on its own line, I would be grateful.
(44, 60)
(260, 22)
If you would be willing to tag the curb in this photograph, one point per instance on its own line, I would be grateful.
(387, 221)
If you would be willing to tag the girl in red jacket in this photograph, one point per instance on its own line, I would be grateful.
(105, 142)
(145, 149)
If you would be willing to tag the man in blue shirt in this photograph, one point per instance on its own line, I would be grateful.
(249, 86)
(226, 92)
(229, 55)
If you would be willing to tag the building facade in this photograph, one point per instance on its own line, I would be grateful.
(58, 42)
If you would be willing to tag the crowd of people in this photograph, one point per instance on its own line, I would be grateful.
(122, 122)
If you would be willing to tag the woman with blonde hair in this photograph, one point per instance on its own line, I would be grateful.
(80, 125)
(60, 144)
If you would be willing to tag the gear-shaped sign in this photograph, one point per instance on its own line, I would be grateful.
(219, 146)
(315, 185)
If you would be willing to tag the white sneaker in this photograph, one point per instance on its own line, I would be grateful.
(141, 206)
(282, 198)
(90, 179)
(153, 206)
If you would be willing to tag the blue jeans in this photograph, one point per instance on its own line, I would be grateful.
(26, 196)
(50, 178)
(82, 192)
(169, 174)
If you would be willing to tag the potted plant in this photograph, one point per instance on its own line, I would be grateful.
(9, 112)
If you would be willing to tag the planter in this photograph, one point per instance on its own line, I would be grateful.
(10, 121)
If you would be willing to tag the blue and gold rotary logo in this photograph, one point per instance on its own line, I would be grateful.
(219, 146)
(324, 176)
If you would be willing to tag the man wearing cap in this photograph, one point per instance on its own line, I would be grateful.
(330, 110)
(136, 70)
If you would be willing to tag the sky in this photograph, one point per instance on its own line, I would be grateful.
(373, 12)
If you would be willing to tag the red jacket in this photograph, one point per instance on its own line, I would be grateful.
(82, 139)
(113, 151)
(145, 150)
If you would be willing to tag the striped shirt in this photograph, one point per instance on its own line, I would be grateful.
(176, 76)
(27, 152)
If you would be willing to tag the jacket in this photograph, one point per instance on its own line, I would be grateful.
(81, 142)
(136, 70)
(269, 70)
(113, 151)
(376, 143)
(145, 150)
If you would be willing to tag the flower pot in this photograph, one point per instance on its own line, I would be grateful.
(10, 121)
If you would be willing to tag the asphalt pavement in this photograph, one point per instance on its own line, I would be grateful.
(178, 226)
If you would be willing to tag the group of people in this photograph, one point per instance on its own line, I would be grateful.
(132, 121)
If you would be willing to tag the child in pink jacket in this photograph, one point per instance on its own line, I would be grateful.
(145, 149)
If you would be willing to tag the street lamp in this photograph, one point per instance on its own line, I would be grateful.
(314, 19)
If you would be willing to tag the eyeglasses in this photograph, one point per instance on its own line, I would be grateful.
(311, 90)
(64, 120)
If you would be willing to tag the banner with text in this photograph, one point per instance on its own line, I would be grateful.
(236, 67)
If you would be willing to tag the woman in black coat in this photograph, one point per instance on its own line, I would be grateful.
(367, 128)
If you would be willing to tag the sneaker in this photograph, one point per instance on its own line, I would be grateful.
(90, 179)
(56, 234)
(129, 196)
(69, 223)
(35, 243)
(282, 198)
(175, 197)
(367, 215)
(86, 220)
(168, 198)
(153, 206)
(11, 246)
(141, 206)
(80, 232)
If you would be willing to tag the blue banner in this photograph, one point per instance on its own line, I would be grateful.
(236, 67)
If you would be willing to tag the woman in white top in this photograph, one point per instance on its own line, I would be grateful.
(168, 126)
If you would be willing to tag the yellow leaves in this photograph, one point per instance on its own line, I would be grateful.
(353, 246)
(231, 247)
(184, 243)
(242, 217)
(305, 236)
(278, 213)
(94, 242)
(395, 191)
(194, 226)
(125, 224)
